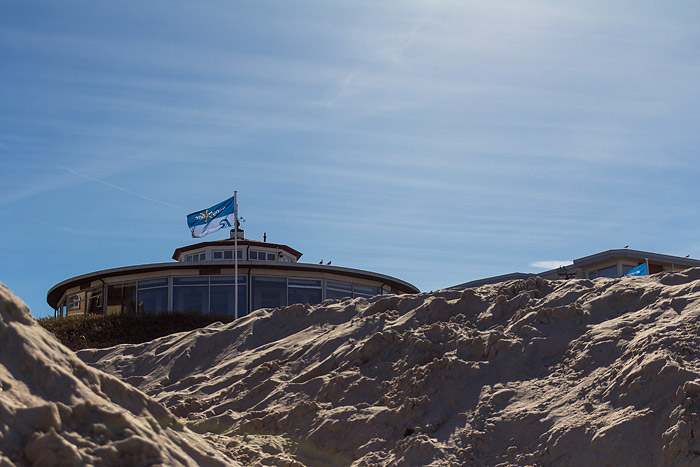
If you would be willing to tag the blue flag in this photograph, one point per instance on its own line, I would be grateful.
(213, 219)
(640, 270)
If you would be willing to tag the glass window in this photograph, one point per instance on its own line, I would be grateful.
(269, 292)
(225, 254)
(191, 294)
(73, 302)
(626, 268)
(365, 291)
(262, 256)
(191, 280)
(610, 271)
(195, 257)
(162, 282)
(338, 289)
(77, 302)
(226, 280)
(305, 291)
(223, 295)
(95, 303)
(153, 301)
(153, 296)
(121, 298)
(302, 282)
(240, 254)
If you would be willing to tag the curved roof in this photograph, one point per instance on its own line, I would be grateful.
(213, 267)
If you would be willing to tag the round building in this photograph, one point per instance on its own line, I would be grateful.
(203, 280)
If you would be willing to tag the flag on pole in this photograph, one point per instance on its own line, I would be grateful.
(640, 270)
(213, 219)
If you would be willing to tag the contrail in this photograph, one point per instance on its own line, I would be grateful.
(55, 226)
(93, 179)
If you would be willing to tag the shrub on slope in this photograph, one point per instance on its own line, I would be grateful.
(99, 331)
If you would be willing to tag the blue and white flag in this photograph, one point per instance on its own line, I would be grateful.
(640, 270)
(213, 219)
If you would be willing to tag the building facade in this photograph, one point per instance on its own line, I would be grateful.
(610, 263)
(202, 279)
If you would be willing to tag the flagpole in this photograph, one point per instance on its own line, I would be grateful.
(235, 253)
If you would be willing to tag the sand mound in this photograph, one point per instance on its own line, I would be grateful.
(56, 410)
(579, 372)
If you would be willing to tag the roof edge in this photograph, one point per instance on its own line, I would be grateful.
(638, 254)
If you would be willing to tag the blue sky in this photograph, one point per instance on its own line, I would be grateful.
(438, 142)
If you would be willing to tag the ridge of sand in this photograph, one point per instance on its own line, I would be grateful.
(56, 410)
(527, 372)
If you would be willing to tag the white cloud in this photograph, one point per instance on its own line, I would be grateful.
(552, 264)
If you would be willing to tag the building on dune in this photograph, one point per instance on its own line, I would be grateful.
(610, 263)
(270, 275)
(202, 280)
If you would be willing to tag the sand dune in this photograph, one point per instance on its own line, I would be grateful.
(579, 372)
(532, 372)
(56, 410)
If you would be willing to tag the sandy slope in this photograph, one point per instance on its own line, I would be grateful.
(56, 410)
(532, 372)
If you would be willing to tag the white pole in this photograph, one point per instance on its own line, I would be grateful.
(235, 253)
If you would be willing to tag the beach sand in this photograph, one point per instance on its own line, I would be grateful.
(57, 410)
(527, 372)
